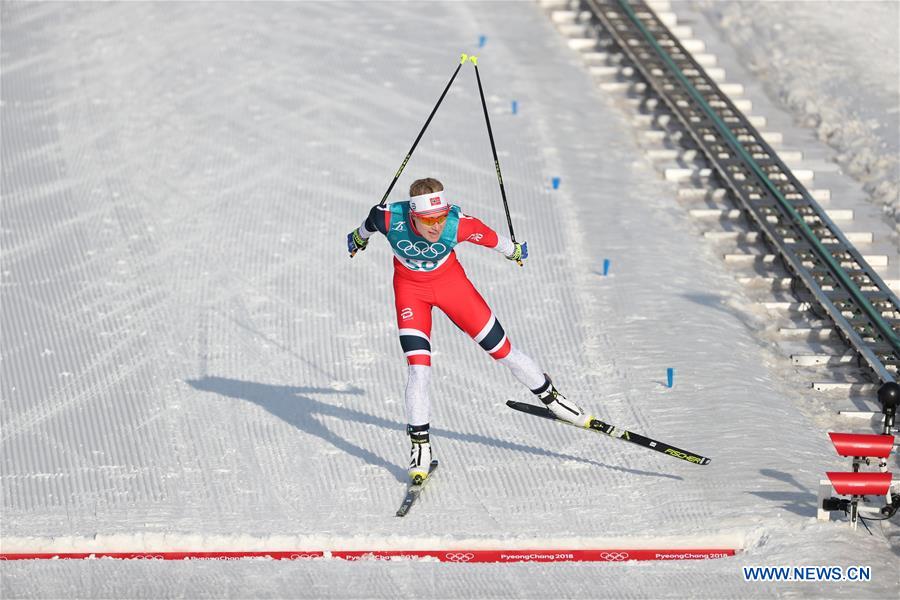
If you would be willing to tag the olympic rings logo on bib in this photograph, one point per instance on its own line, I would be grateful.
(421, 249)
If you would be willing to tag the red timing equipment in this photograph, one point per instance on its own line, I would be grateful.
(860, 484)
(862, 444)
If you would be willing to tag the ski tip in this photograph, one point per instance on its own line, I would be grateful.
(520, 405)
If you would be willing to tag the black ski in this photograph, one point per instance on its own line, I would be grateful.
(413, 490)
(616, 432)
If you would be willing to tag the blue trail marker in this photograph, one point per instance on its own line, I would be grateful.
(515, 106)
(555, 182)
(606, 266)
(482, 40)
(670, 377)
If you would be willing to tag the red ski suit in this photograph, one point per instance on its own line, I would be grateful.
(448, 288)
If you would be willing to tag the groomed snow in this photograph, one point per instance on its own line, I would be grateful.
(835, 66)
(189, 357)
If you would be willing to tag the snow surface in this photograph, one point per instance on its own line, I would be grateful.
(834, 65)
(189, 359)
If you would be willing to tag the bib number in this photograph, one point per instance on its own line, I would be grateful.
(421, 265)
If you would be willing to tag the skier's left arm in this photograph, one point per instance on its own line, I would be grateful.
(474, 230)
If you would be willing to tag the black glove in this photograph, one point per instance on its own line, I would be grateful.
(355, 242)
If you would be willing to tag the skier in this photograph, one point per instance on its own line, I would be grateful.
(422, 233)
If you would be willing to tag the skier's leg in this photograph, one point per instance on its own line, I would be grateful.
(417, 402)
(465, 307)
(414, 327)
(416, 344)
(468, 310)
(525, 370)
(412, 304)
(413, 307)
(460, 301)
(417, 408)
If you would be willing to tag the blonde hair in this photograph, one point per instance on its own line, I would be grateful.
(428, 185)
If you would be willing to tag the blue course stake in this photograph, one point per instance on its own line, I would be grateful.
(482, 40)
(515, 106)
(670, 377)
(605, 266)
(555, 182)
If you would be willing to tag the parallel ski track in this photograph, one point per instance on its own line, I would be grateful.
(269, 385)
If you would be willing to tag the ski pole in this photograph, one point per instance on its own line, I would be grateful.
(487, 120)
(462, 61)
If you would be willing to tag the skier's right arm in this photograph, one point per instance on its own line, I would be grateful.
(378, 220)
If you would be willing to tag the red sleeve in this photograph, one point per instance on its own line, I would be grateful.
(473, 230)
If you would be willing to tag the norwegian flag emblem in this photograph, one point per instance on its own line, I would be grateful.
(435, 201)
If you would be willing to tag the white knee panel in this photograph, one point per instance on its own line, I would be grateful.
(524, 369)
(417, 403)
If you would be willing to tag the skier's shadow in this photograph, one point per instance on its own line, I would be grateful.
(294, 406)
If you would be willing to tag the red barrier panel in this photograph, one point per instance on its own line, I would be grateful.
(862, 444)
(860, 483)
(505, 556)
(458, 556)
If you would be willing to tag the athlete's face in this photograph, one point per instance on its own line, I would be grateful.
(431, 229)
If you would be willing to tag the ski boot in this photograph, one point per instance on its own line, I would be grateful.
(419, 454)
(561, 407)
